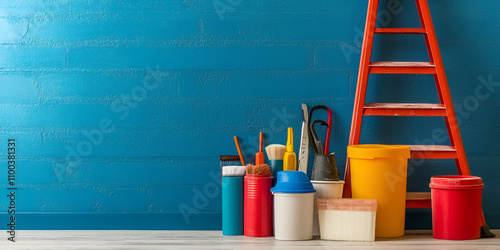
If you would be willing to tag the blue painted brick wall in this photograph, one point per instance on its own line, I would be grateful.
(120, 109)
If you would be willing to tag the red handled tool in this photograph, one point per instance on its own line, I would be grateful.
(328, 129)
(259, 156)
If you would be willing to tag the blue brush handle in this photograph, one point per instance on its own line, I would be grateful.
(232, 205)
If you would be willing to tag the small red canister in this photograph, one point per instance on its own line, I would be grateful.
(456, 207)
(258, 206)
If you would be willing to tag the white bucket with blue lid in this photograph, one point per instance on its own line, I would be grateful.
(293, 206)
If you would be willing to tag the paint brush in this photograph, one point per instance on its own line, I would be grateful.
(259, 156)
(239, 151)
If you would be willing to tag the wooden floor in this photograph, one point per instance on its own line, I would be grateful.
(213, 240)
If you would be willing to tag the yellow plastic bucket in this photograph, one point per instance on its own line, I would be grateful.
(379, 172)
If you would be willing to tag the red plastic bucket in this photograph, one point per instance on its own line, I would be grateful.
(258, 206)
(456, 207)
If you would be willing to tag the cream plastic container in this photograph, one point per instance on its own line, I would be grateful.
(325, 190)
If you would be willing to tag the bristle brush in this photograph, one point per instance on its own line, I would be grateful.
(262, 170)
(250, 169)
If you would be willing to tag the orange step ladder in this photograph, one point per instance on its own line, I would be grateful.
(444, 108)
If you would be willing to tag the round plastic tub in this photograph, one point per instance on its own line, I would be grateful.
(456, 207)
(379, 172)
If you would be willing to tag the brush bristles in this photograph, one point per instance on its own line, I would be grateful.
(250, 168)
(347, 225)
(275, 151)
(233, 171)
(262, 170)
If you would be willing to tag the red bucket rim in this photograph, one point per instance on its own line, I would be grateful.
(456, 182)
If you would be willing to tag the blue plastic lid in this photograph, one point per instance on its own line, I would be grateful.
(292, 182)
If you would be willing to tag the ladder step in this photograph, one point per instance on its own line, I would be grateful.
(402, 68)
(418, 199)
(404, 109)
(400, 31)
(433, 152)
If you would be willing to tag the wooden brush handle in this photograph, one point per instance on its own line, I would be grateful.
(261, 141)
(239, 151)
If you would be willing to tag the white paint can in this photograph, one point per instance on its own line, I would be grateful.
(293, 216)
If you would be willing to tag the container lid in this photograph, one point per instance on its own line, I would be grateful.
(347, 204)
(456, 182)
(292, 182)
(372, 151)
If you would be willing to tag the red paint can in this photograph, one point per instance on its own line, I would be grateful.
(456, 207)
(258, 206)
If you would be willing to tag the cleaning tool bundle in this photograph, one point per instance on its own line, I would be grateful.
(289, 159)
(275, 154)
(258, 201)
(347, 219)
(325, 177)
(293, 206)
(232, 200)
(259, 156)
(325, 166)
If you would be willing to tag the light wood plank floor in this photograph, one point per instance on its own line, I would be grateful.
(214, 240)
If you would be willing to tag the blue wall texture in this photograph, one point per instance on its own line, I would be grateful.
(120, 109)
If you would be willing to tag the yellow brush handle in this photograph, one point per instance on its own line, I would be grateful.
(289, 141)
(290, 159)
(290, 162)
